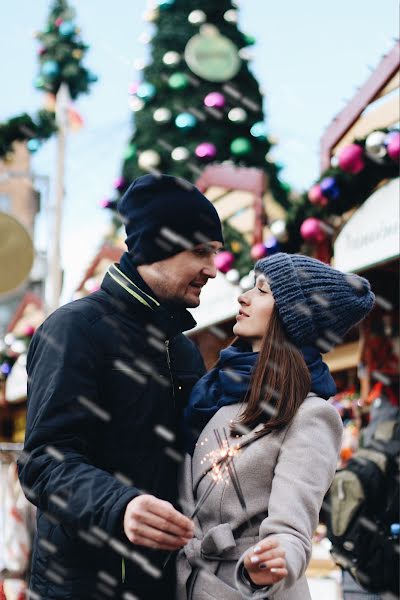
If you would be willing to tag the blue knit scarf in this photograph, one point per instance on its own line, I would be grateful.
(228, 382)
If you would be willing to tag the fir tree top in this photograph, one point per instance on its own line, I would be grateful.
(61, 53)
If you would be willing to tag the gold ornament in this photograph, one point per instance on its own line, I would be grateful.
(236, 247)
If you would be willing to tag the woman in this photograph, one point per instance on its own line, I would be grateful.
(267, 442)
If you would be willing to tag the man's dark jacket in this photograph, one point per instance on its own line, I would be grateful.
(105, 399)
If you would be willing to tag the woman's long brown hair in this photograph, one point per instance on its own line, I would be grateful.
(279, 384)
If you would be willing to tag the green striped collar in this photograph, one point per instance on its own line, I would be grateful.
(131, 288)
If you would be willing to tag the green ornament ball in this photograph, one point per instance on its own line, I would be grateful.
(250, 40)
(165, 4)
(38, 83)
(130, 152)
(240, 146)
(178, 81)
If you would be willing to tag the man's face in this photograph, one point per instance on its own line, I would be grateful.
(180, 279)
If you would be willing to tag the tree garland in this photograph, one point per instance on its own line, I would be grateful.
(353, 175)
(24, 128)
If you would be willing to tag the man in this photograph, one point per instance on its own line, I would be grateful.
(109, 375)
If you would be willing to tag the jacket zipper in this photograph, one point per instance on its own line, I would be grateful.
(123, 570)
(123, 567)
(170, 371)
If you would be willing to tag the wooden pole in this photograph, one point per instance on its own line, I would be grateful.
(55, 270)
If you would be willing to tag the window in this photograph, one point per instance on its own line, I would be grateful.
(5, 203)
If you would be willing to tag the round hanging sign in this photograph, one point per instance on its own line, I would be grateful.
(212, 56)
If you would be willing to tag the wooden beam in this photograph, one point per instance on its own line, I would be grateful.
(233, 178)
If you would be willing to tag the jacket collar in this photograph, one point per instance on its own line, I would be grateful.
(137, 298)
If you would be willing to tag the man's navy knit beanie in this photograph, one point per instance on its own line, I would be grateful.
(164, 215)
(317, 304)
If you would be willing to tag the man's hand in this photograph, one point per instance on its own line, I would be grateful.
(266, 563)
(151, 522)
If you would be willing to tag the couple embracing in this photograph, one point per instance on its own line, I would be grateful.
(154, 479)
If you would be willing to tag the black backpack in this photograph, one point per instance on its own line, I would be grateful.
(364, 503)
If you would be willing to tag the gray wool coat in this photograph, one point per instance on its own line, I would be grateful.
(284, 477)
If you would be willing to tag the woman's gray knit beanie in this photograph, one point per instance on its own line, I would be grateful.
(316, 303)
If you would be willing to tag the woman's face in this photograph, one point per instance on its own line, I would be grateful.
(256, 308)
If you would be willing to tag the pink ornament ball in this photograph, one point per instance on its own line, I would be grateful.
(311, 230)
(119, 183)
(29, 330)
(316, 196)
(105, 202)
(206, 151)
(351, 159)
(224, 261)
(58, 21)
(133, 88)
(214, 100)
(258, 251)
(393, 146)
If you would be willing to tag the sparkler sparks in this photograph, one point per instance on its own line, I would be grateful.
(219, 459)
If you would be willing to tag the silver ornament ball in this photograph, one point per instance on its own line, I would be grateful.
(171, 58)
(180, 153)
(237, 115)
(375, 145)
(231, 16)
(196, 17)
(162, 115)
(233, 276)
(149, 159)
(279, 230)
(247, 282)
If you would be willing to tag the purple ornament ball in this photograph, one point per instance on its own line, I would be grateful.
(206, 151)
(215, 100)
(351, 159)
(272, 245)
(330, 188)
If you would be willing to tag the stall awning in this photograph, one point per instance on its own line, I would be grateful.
(218, 303)
(372, 235)
(346, 356)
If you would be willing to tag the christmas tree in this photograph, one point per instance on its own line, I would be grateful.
(198, 101)
(61, 53)
(60, 58)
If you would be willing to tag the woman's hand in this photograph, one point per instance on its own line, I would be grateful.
(265, 563)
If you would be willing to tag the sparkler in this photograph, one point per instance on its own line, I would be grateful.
(222, 464)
